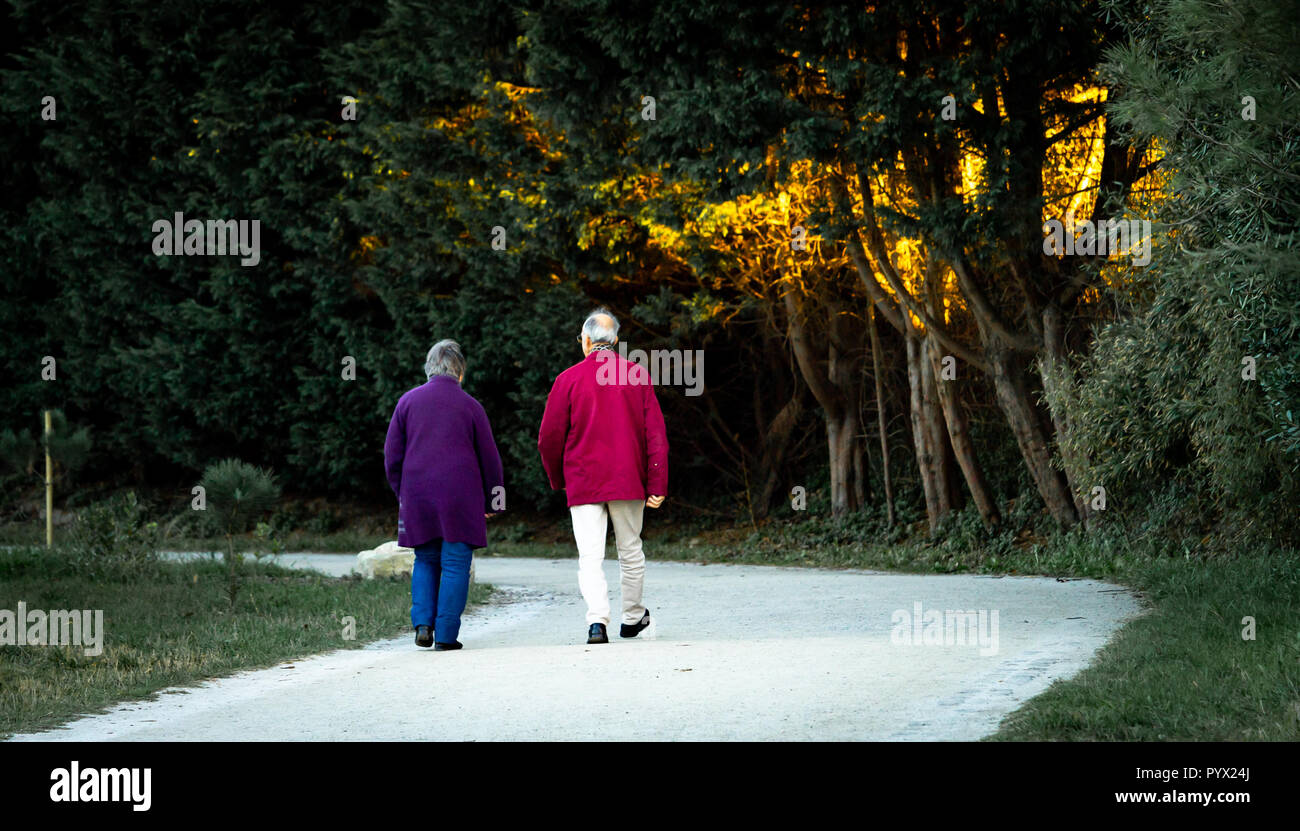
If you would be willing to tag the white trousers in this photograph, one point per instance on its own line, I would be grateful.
(589, 524)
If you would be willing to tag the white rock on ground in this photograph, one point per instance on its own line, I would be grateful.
(390, 560)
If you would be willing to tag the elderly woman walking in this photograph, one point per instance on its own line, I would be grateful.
(444, 468)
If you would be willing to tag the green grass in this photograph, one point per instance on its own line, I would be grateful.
(342, 541)
(1180, 672)
(1183, 672)
(23, 533)
(346, 541)
(175, 628)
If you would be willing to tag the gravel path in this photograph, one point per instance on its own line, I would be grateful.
(735, 653)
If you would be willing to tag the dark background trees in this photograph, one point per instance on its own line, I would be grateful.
(524, 123)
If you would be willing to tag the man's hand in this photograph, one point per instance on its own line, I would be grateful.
(654, 502)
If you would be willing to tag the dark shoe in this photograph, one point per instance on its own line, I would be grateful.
(446, 647)
(423, 636)
(631, 630)
(596, 634)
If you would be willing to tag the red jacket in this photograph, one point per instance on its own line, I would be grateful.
(602, 436)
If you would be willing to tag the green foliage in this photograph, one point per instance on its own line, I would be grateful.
(510, 532)
(21, 458)
(267, 543)
(69, 447)
(238, 494)
(377, 232)
(18, 451)
(1163, 390)
(113, 540)
(867, 526)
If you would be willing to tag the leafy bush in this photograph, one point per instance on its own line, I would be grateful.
(867, 525)
(111, 540)
(21, 456)
(511, 532)
(238, 495)
(1202, 373)
(266, 543)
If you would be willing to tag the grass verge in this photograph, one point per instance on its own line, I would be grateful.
(174, 627)
(1184, 671)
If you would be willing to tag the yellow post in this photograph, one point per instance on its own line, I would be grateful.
(49, 486)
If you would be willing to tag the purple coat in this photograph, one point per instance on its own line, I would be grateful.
(442, 464)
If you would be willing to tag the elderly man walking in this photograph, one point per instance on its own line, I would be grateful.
(603, 442)
(443, 466)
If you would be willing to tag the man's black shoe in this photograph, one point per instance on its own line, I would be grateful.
(631, 630)
(423, 636)
(447, 647)
(596, 634)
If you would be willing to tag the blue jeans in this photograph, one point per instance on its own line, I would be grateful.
(440, 587)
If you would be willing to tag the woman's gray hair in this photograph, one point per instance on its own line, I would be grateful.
(445, 358)
(601, 326)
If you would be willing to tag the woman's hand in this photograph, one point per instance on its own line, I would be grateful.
(654, 502)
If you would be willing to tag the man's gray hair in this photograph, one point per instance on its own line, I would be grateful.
(601, 326)
(445, 358)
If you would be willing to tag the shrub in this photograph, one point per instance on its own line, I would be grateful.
(111, 540)
(238, 495)
(1201, 372)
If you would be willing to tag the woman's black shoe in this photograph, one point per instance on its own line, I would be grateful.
(423, 636)
(445, 647)
(596, 634)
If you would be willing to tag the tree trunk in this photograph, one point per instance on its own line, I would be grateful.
(1013, 398)
(962, 447)
(860, 491)
(836, 391)
(880, 415)
(936, 434)
(844, 369)
(929, 450)
(1055, 368)
(776, 443)
(840, 441)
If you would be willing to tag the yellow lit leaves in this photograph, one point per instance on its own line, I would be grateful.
(972, 174)
(1072, 165)
(704, 308)
(515, 92)
(767, 237)
(366, 246)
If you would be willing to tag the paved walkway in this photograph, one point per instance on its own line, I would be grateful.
(736, 653)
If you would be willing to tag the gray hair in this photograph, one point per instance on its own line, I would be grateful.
(598, 328)
(445, 358)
